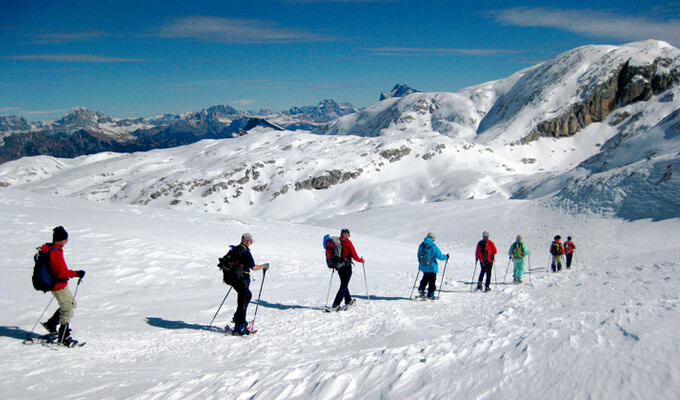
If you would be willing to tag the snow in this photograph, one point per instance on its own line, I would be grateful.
(605, 329)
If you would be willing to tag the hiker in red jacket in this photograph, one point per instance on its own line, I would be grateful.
(569, 248)
(61, 292)
(485, 254)
(345, 271)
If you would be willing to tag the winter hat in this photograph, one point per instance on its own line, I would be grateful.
(343, 231)
(568, 237)
(431, 235)
(246, 237)
(558, 237)
(59, 234)
(485, 234)
(519, 238)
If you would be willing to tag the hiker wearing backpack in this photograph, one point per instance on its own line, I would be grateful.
(428, 254)
(485, 254)
(61, 292)
(345, 270)
(517, 252)
(556, 250)
(240, 256)
(569, 248)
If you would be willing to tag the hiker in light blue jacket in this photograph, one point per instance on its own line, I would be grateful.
(428, 254)
(517, 252)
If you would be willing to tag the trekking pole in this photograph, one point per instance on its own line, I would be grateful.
(220, 307)
(61, 337)
(252, 323)
(30, 335)
(443, 273)
(505, 278)
(368, 295)
(414, 285)
(472, 281)
(329, 288)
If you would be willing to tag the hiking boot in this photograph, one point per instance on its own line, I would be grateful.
(487, 289)
(421, 292)
(430, 295)
(64, 336)
(479, 286)
(336, 308)
(52, 329)
(241, 329)
(351, 303)
(519, 280)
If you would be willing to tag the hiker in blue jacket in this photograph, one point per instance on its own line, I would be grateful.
(428, 254)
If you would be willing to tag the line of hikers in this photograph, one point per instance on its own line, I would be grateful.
(340, 255)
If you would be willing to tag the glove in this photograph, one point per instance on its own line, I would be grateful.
(447, 256)
(266, 266)
(80, 274)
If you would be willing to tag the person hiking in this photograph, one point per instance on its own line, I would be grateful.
(243, 257)
(485, 254)
(556, 250)
(517, 252)
(345, 271)
(428, 254)
(61, 292)
(569, 248)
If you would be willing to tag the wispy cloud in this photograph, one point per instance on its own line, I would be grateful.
(68, 37)
(591, 23)
(244, 102)
(416, 51)
(229, 30)
(72, 58)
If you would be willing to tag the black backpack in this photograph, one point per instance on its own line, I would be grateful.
(232, 270)
(333, 246)
(43, 279)
(485, 253)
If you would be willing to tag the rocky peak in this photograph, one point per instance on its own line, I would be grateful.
(399, 90)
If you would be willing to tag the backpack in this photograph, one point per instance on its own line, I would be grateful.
(43, 279)
(485, 253)
(333, 247)
(518, 250)
(556, 249)
(425, 254)
(232, 271)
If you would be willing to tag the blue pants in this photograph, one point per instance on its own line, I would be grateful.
(345, 274)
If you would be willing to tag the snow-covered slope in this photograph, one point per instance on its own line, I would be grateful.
(605, 329)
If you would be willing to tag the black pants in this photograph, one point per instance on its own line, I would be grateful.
(345, 274)
(243, 290)
(429, 278)
(569, 257)
(485, 269)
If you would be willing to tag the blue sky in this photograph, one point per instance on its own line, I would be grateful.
(147, 57)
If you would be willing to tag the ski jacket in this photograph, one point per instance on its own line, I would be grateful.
(569, 247)
(490, 251)
(348, 252)
(435, 253)
(58, 266)
(245, 258)
(524, 249)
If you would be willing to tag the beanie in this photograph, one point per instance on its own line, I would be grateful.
(59, 234)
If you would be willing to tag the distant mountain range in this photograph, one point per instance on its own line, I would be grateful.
(82, 131)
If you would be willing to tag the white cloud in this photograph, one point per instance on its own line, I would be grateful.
(415, 51)
(592, 23)
(68, 37)
(229, 30)
(244, 102)
(72, 58)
